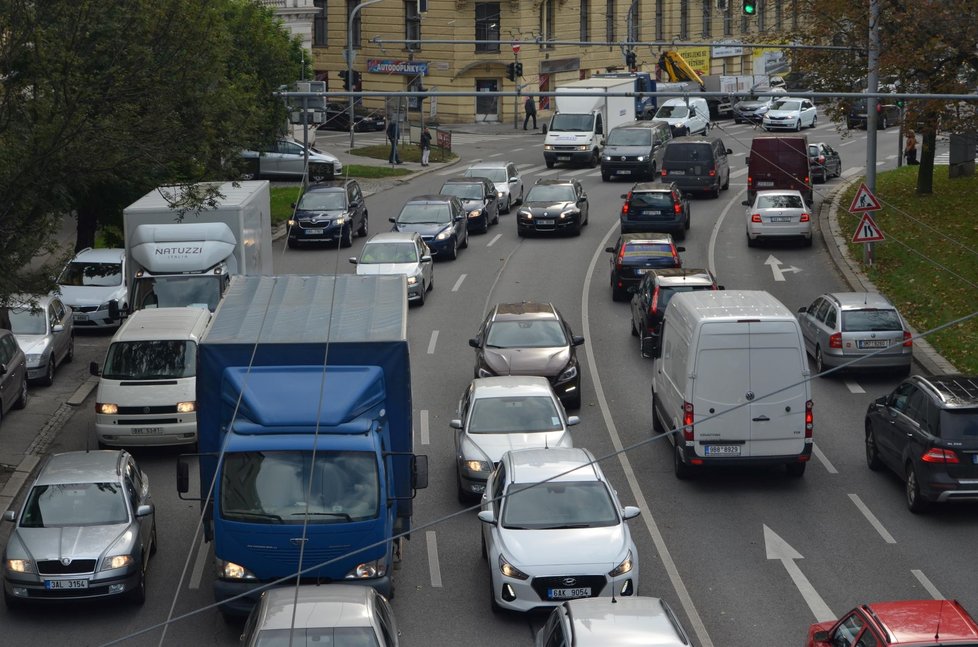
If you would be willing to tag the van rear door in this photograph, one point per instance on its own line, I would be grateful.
(720, 382)
(777, 422)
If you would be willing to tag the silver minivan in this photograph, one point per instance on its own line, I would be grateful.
(634, 150)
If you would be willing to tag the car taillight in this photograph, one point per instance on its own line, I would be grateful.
(713, 172)
(907, 339)
(805, 217)
(620, 258)
(879, 108)
(687, 421)
(755, 217)
(835, 340)
(821, 159)
(624, 207)
(807, 181)
(676, 207)
(809, 419)
(654, 306)
(939, 455)
(664, 171)
(675, 257)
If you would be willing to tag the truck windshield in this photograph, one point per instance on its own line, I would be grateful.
(286, 487)
(563, 122)
(150, 360)
(202, 290)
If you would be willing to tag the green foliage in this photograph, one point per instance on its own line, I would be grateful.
(283, 197)
(407, 152)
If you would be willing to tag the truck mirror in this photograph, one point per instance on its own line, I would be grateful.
(455, 424)
(93, 368)
(474, 342)
(183, 477)
(680, 249)
(113, 309)
(487, 516)
(419, 472)
(353, 259)
(392, 219)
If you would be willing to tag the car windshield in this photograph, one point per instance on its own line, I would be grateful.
(513, 414)
(98, 274)
(24, 321)
(652, 199)
(289, 487)
(178, 291)
(75, 504)
(672, 112)
(813, 151)
(870, 319)
(782, 201)
(389, 253)
(464, 191)
(551, 193)
(558, 505)
(497, 175)
(150, 359)
(323, 201)
(960, 424)
(786, 105)
(317, 637)
(687, 152)
(630, 137)
(526, 334)
(432, 214)
(565, 122)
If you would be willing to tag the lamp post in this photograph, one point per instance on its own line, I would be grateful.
(349, 56)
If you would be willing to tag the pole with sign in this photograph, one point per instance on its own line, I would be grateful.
(516, 80)
(868, 231)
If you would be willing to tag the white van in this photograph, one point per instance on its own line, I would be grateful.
(147, 390)
(689, 116)
(732, 376)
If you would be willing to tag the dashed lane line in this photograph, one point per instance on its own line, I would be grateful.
(853, 387)
(458, 283)
(871, 518)
(824, 460)
(433, 565)
(494, 239)
(198, 571)
(926, 583)
(423, 424)
(432, 342)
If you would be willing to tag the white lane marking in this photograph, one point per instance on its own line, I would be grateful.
(433, 558)
(494, 239)
(432, 342)
(458, 283)
(548, 173)
(424, 427)
(880, 163)
(449, 171)
(711, 250)
(927, 584)
(871, 518)
(853, 387)
(198, 571)
(826, 463)
(579, 172)
(851, 141)
(852, 170)
(496, 155)
(516, 150)
(660, 544)
(532, 169)
(739, 172)
(891, 157)
(777, 548)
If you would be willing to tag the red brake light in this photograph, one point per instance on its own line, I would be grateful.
(805, 217)
(620, 259)
(807, 181)
(907, 339)
(675, 257)
(750, 181)
(809, 419)
(835, 340)
(624, 207)
(821, 159)
(654, 306)
(664, 171)
(939, 455)
(687, 421)
(756, 217)
(713, 172)
(676, 207)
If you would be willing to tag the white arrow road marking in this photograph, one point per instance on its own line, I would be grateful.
(779, 271)
(779, 549)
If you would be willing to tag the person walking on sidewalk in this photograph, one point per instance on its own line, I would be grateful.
(393, 134)
(425, 146)
(531, 111)
(910, 149)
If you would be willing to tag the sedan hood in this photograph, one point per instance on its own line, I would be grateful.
(374, 269)
(493, 446)
(750, 105)
(91, 295)
(319, 216)
(31, 343)
(550, 208)
(546, 362)
(602, 548)
(425, 229)
(784, 114)
(73, 542)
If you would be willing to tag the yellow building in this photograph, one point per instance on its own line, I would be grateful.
(384, 64)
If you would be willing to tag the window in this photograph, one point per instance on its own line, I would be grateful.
(487, 26)
(547, 23)
(412, 24)
(635, 23)
(728, 19)
(350, 6)
(610, 20)
(319, 24)
(659, 11)
(761, 10)
(707, 17)
(585, 34)
(779, 15)
(684, 19)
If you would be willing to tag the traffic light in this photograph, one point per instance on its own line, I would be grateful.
(346, 80)
(630, 59)
(519, 69)
(511, 71)
(357, 81)
(750, 7)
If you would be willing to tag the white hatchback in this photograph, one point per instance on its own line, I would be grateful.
(789, 113)
(779, 215)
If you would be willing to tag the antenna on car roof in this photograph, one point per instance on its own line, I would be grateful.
(940, 616)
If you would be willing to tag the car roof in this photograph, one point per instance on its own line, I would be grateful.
(914, 621)
(430, 197)
(328, 605)
(510, 385)
(859, 300)
(393, 237)
(154, 324)
(490, 164)
(524, 310)
(101, 255)
(554, 180)
(646, 125)
(81, 467)
(675, 276)
(648, 237)
(957, 391)
(639, 620)
(653, 187)
(553, 464)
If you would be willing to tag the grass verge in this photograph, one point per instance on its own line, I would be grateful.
(928, 264)
(407, 152)
(282, 199)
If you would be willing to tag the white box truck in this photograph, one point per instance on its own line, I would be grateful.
(187, 259)
(585, 115)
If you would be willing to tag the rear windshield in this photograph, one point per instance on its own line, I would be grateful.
(652, 199)
(780, 202)
(630, 137)
(960, 424)
(870, 319)
(464, 191)
(666, 294)
(688, 152)
(647, 249)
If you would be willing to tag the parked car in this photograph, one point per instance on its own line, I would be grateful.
(842, 327)
(528, 567)
(887, 114)
(634, 150)
(479, 200)
(913, 623)
(634, 255)
(654, 206)
(330, 211)
(364, 119)
(597, 622)
(530, 339)
(87, 529)
(321, 614)
(926, 431)
(497, 414)
(824, 162)
(697, 164)
(287, 158)
(45, 332)
(507, 179)
(13, 374)
(753, 109)
(650, 298)
(778, 215)
(790, 113)
(91, 283)
(399, 252)
(439, 219)
(553, 205)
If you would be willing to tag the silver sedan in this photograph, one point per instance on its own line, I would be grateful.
(505, 176)
(399, 252)
(778, 215)
(45, 332)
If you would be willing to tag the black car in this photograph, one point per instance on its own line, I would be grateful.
(553, 205)
(752, 109)
(926, 431)
(653, 206)
(330, 211)
(650, 298)
(440, 219)
(364, 119)
(634, 255)
(824, 162)
(887, 114)
(479, 200)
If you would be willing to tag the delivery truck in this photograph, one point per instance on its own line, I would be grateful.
(305, 435)
(586, 111)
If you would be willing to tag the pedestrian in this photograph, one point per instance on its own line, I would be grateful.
(393, 134)
(910, 150)
(531, 111)
(425, 146)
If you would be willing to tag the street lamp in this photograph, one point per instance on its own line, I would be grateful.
(349, 56)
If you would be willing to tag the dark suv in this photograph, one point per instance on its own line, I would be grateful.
(530, 339)
(887, 114)
(652, 206)
(329, 211)
(653, 294)
(553, 205)
(926, 431)
(697, 164)
(635, 255)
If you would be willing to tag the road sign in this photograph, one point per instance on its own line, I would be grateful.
(516, 47)
(867, 231)
(864, 200)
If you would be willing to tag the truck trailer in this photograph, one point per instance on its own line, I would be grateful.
(305, 434)
(585, 114)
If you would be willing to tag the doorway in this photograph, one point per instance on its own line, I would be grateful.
(486, 107)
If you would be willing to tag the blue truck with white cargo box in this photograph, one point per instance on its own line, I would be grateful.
(305, 433)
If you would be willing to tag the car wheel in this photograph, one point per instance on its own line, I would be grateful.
(522, 191)
(715, 193)
(509, 205)
(884, 123)
(550, 163)
(495, 220)
(465, 498)
(362, 231)
(795, 470)
(819, 362)
(575, 400)
(652, 172)
(681, 469)
(738, 121)
(872, 451)
(681, 233)
(751, 242)
(605, 177)
(346, 236)
(578, 227)
(424, 292)
(520, 232)
(634, 329)
(21, 400)
(915, 501)
(726, 183)
(453, 252)
(618, 294)
(814, 121)
(656, 424)
(798, 126)
(838, 171)
(70, 355)
(48, 378)
(138, 594)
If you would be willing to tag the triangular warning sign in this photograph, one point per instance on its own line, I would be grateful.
(867, 231)
(864, 200)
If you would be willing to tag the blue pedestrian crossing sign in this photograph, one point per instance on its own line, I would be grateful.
(867, 231)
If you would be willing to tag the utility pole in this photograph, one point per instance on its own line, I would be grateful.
(519, 86)
(873, 82)
(349, 57)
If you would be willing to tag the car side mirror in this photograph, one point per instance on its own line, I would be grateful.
(487, 516)
(630, 512)
(57, 328)
(392, 219)
(419, 472)
(745, 203)
(426, 258)
(144, 510)
(513, 180)
(474, 342)
(747, 160)
(455, 424)
(353, 259)
(10, 515)
(624, 196)
(459, 218)
(3, 369)
(802, 310)
(610, 250)
(573, 420)
(680, 249)
(293, 206)
(577, 340)
(93, 368)
(729, 152)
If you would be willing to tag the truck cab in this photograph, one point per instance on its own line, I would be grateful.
(586, 111)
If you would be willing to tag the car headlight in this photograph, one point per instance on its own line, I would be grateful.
(34, 359)
(475, 213)
(485, 372)
(293, 223)
(187, 407)
(412, 280)
(119, 555)
(108, 408)
(568, 374)
(548, 147)
(499, 194)
(20, 565)
(624, 567)
(231, 571)
(103, 307)
(340, 220)
(375, 568)
(524, 214)
(640, 158)
(509, 570)
(117, 561)
(583, 147)
(477, 467)
(606, 158)
(443, 234)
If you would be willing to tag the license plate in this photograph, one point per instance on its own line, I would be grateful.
(564, 157)
(651, 212)
(52, 585)
(146, 431)
(873, 343)
(569, 594)
(765, 184)
(79, 317)
(623, 172)
(314, 232)
(780, 219)
(545, 222)
(677, 172)
(724, 450)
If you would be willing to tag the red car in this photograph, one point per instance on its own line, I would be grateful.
(911, 623)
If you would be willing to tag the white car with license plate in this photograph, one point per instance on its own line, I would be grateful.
(790, 113)
(505, 176)
(778, 215)
(554, 530)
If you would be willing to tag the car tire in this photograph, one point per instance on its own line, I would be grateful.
(652, 172)
(884, 124)
(595, 159)
(751, 242)
(795, 470)
(453, 253)
(21, 400)
(346, 236)
(634, 329)
(577, 227)
(873, 460)
(550, 163)
(682, 471)
(814, 121)
(915, 500)
(465, 499)
(362, 231)
(153, 544)
(656, 423)
(798, 126)
(70, 355)
(520, 232)
(617, 294)
(495, 220)
(819, 361)
(48, 378)
(738, 121)
(138, 594)
(575, 401)
(509, 203)
(715, 193)
(605, 177)
(726, 183)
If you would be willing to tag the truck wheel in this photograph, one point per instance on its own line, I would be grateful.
(550, 163)
(595, 159)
